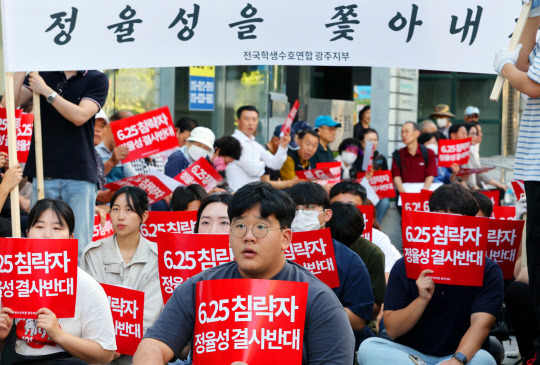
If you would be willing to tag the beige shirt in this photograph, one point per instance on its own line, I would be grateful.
(104, 262)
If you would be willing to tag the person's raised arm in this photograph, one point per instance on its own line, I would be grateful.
(475, 336)
(152, 352)
(76, 114)
(276, 161)
(401, 321)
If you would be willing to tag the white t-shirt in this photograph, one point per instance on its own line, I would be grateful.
(93, 321)
(391, 254)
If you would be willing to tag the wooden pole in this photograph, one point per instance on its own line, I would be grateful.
(12, 152)
(514, 41)
(38, 144)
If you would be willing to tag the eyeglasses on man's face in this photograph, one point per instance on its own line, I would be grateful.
(260, 230)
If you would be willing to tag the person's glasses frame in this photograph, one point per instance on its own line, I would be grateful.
(259, 230)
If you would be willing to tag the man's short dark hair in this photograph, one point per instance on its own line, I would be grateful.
(454, 128)
(424, 137)
(249, 108)
(186, 124)
(349, 142)
(270, 199)
(349, 186)
(228, 146)
(414, 125)
(183, 195)
(365, 131)
(305, 193)
(484, 203)
(453, 198)
(346, 224)
(305, 132)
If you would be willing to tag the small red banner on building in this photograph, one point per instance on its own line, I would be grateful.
(38, 273)
(254, 321)
(127, 308)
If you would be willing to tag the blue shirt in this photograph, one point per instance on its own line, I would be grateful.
(177, 162)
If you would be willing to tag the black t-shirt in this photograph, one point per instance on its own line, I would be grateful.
(448, 315)
(68, 150)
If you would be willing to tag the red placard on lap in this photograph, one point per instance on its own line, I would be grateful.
(200, 172)
(24, 124)
(168, 222)
(38, 273)
(100, 233)
(367, 212)
(145, 134)
(493, 195)
(181, 256)
(453, 246)
(453, 151)
(381, 182)
(479, 170)
(323, 173)
(335, 170)
(519, 189)
(503, 240)
(153, 186)
(505, 213)
(127, 308)
(413, 202)
(315, 251)
(255, 321)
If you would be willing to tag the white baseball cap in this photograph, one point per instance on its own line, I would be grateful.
(471, 110)
(202, 135)
(101, 115)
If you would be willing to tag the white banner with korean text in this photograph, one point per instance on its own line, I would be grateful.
(459, 35)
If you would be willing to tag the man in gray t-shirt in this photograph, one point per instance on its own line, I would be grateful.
(261, 217)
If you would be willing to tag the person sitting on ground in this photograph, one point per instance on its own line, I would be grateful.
(212, 214)
(199, 144)
(88, 337)
(485, 204)
(349, 151)
(446, 175)
(299, 160)
(127, 258)
(261, 218)
(183, 128)
(326, 128)
(458, 131)
(438, 323)
(355, 293)
(188, 198)
(226, 150)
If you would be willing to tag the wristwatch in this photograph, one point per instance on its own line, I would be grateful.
(461, 357)
(51, 97)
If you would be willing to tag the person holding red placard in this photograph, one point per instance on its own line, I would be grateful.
(127, 258)
(260, 233)
(86, 338)
(298, 160)
(438, 324)
(199, 144)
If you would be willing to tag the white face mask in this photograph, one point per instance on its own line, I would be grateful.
(442, 122)
(348, 157)
(434, 148)
(306, 222)
(196, 152)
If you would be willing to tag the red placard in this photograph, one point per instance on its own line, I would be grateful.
(505, 213)
(381, 182)
(181, 256)
(335, 169)
(24, 124)
(255, 321)
(415, 202)
(368, 212)
(323, 173)
(286, 128)
(127, 308)
(479, 170)
(38, 273)
(519, 189)
(100, 233)
(153, 186)
(315, 251)
(145, 134)
(168, 222)
(453, 151)
(493, 195)
(200, 172)
(453, 246)
(503, 240)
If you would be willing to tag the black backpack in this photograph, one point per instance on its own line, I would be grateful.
(397, 158)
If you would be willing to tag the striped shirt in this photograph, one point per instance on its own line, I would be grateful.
(527, 164)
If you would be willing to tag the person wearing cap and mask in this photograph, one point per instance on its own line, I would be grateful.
(254, 159)
(199, 144)
(326, 128)
(441, 115)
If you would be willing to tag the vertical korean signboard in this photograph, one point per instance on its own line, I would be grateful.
(201, 87)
